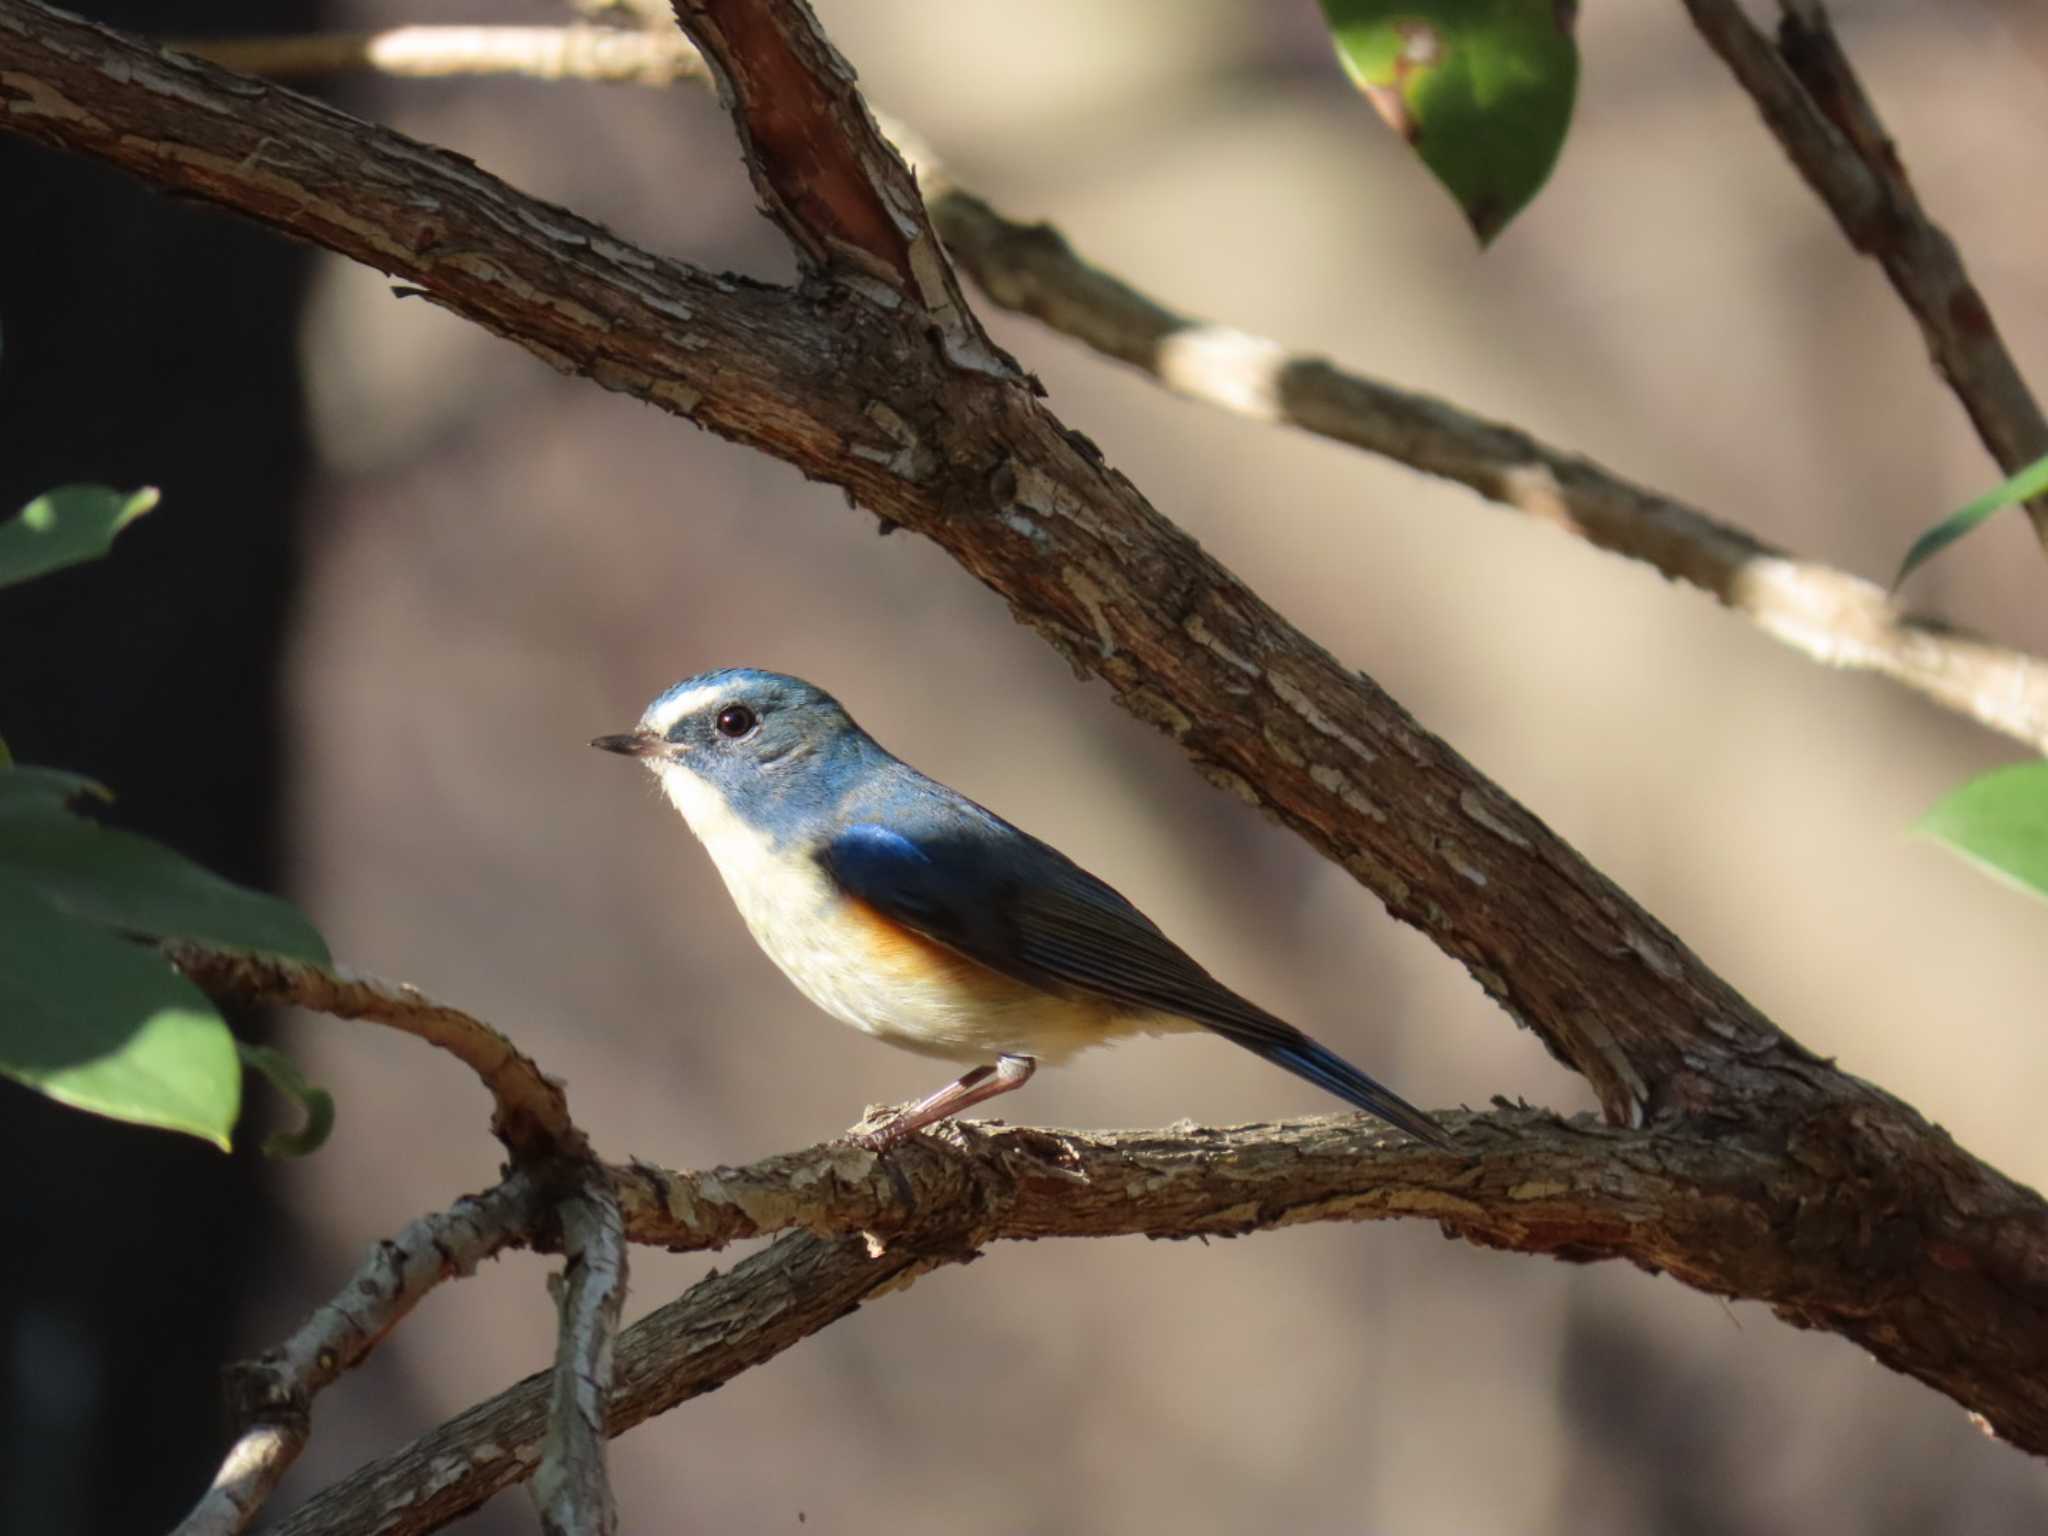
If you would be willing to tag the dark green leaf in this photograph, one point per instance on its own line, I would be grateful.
(63, 527)
(24, 788)
(316, 1104)
(2000, 823)
(2024, 486)
(133, 885)
(109, 1026)
(1481, 89)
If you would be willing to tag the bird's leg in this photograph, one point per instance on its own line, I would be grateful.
(982, 1083)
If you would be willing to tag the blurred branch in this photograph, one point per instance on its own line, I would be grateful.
(841, 378)
(617, 55)
(1816, 107)
(571, 1485)
(532, 1114)
(271, 1397)
(1829, 615)
(1833, 617)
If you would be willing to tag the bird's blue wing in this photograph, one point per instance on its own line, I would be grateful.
(963, 877)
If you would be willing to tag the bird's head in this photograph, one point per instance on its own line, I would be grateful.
(772, 752)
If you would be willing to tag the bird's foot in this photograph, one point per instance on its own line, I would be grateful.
(983, 1083)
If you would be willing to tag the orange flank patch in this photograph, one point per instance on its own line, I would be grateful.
(919, 994)
(913, 961)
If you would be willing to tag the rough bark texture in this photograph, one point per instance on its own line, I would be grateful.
(1714, 1215)
(1862, 1221)
(694, 1345)
(1881, 1228)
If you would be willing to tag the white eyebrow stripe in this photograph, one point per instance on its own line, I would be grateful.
(666, 711)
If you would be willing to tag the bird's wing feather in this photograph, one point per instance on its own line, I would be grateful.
(1020, 907)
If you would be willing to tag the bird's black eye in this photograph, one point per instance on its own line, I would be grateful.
(735, 720)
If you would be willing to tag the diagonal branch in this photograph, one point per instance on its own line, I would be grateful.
(1830, 615)
(271, 1397)
(720, 1327)
(839, 189)
(1834, 617)
(1817, 109)
(635, 56)
(855, 392)
(532, 1114)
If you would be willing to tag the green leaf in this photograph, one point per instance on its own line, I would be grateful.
(1481, 89)
(133, 885)
(1999, 823)
(108, 1026)
(63, 527)
(30, 788)
(2024, 486)
(317, 1104)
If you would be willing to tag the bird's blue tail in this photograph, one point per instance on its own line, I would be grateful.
(1327, 1070)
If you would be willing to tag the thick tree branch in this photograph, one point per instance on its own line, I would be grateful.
(839, 189)
(1819, 112)
(1708, 1211)
(532, 1113)
(1836, 618)
(271, 1397)
(1790, 1226)
(847, 386)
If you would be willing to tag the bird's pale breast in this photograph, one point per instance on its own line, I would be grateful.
(869, 971)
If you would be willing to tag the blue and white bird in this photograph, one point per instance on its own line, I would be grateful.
(917, 916)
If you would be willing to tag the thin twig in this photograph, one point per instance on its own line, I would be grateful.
(532, 1114)
(272, 1396)
(1836, 618)
(571, 1485)
(613, 55)
(1829, 615)
(1818, 110)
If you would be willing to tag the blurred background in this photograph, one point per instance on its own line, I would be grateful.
(431, 569)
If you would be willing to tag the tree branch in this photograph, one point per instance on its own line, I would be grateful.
(532, 1113)
(571, 1485)
(846, 384)
(1819, 112)
(610, 55)
(838, 189)
(1826, 614)
(1836, 618)
(720, 1327)
(1720, 1217)
(271, 1397)
(1789, 1225)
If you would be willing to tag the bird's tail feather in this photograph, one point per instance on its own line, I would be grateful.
(1327, 1070)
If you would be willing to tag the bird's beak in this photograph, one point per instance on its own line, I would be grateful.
(638, 743)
